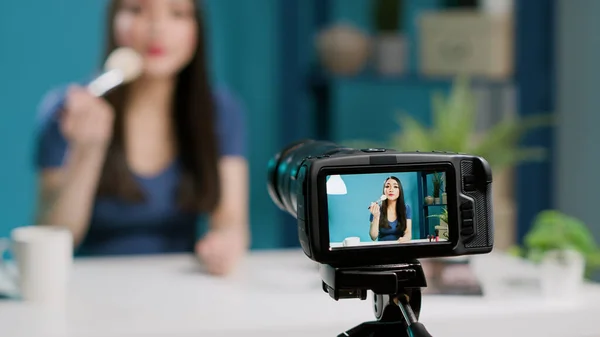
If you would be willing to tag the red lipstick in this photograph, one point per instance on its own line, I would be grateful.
(155, 51)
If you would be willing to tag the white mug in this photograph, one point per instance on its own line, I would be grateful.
(43, 257)
(351, 241)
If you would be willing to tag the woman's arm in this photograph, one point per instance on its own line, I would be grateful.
(374, 228)
(374, 231)
(82, 133)
(232, 211)
(67, 194)
(229, 235)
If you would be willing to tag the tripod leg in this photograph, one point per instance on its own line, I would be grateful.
(390, 321)
(415, 328)
(377, 329)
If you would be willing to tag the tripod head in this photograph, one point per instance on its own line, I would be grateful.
(397, 296)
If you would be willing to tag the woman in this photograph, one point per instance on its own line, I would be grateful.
(394, 223)
(133, 172)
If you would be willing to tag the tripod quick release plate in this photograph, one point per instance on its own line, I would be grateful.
(341, 283)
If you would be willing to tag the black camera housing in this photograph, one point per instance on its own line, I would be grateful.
(297, 184)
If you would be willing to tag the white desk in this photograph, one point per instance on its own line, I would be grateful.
(383, 243)
(274, 294)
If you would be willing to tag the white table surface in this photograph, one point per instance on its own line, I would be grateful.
(275, 293)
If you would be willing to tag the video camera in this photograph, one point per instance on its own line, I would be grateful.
(365, 215)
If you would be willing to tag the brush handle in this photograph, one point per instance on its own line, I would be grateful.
(378, 202)
(100, 85)
(105, 82)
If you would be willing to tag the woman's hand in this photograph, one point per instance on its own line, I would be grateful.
(87, 121)
(222, 249)
(404, 239)
(374, 209)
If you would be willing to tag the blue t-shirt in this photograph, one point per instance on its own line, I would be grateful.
(389, 234)
(157, 225)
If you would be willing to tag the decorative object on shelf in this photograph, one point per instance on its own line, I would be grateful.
(429, 200)
(466, 41)
(442, 228)
(437, 185)
(343, 49)
(453, 129)
(497, 7)
(390, 51)
(444, 198)
(565, 250)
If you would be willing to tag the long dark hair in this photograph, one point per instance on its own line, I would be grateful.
(193, 114)
(400, 209)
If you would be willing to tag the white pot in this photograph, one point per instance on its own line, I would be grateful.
(390, 54)
(562, 274)
(443, 230)
(436, 201)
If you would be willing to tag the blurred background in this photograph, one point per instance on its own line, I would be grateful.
(345, 70)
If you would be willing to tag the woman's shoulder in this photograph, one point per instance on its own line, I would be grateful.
(49, 105)
(228, 104)
(50, 144)
(230, 122)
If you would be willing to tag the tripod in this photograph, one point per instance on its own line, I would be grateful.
(397, 297)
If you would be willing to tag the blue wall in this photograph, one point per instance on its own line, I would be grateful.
(57, 42)
(42, 45)
(349, 214)
(577, 138)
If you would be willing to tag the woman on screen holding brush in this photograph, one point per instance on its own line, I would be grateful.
(392, 220)
(132, 171)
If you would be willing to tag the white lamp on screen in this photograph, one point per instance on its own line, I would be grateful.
(336, 186)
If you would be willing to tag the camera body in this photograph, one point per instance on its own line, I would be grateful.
(333, 193)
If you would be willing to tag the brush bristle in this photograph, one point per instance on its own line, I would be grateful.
(127, 60)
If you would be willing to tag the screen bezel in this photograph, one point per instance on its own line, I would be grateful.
(375, 252)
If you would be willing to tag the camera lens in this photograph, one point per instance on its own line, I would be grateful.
(282, 169)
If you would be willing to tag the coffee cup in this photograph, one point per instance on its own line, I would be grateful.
(351, 241)
(43, 257)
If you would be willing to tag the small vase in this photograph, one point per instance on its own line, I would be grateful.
(443, 230)
(390, 53)
(444, 198)
(437, 200)
(343, 49)
(428, 200)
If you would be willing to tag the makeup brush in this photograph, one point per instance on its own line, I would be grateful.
(381, 198)
(123, 65)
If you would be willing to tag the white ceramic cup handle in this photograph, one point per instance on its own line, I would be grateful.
(5, 271)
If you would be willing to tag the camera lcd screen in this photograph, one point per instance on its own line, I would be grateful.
(376, 209)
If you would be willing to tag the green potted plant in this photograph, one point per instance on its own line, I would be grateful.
(390, 40)
(453, 128)
(564, 248)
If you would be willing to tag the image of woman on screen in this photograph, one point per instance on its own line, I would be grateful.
(392, 220)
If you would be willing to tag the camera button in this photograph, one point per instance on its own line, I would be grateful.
(466, 205)
(467, 228)
(373, 150)
(469, 183)
(467, 214)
